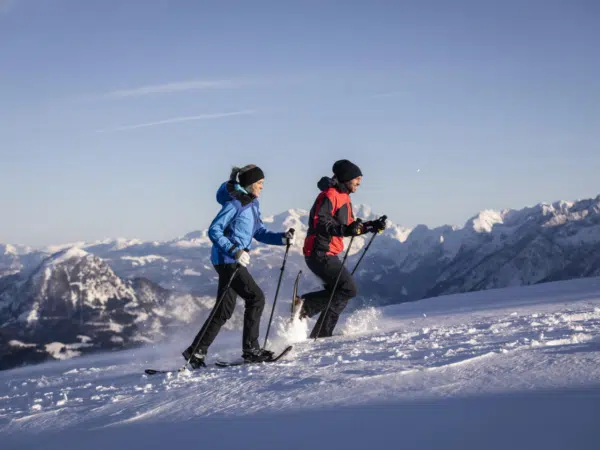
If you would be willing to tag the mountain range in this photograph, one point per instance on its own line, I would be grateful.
(117, 293)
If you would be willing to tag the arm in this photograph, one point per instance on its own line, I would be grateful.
(269, 237)
(216, 231)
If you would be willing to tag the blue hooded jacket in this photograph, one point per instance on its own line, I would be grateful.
(236, 224)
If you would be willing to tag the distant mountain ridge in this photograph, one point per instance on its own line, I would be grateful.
(493, 249)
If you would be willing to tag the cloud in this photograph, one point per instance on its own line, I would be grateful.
(179, 119)
(180, 86)
(192, 85)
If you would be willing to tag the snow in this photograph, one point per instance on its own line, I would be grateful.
(10, 250)
(65, 255)
(51, 249)
(485, 221)
(117, 328)
(61, 351)
(514, 368)
(15, 250)
(143, 260)
(16, 343)
(122, 243)
(31, 316)
(191, 272)
(193, 243)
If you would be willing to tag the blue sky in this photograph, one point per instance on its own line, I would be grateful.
(121, 118)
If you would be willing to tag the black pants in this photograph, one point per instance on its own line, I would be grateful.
(327, 269)
(243, 285)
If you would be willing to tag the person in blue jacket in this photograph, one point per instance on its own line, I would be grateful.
(231, 233)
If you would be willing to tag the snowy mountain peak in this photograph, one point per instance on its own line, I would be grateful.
(292, 218)
(10, 250)
(122, 243)
(51, 249)
(199, 234)
(67, 255)
(364, 212)
(485, 221)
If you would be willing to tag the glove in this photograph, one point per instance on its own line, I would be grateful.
(289, 237)
(375, 226)
(356, 228)
(242, 257)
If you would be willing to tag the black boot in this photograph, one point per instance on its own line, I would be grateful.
(257, 355)
(196, 360)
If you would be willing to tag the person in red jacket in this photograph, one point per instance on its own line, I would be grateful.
(330, 220)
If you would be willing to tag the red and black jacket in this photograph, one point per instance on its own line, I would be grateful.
(329, 216)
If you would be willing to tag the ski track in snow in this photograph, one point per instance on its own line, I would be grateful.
(393, 358)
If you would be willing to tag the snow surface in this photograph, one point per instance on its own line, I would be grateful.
(192, 273)
(485, 220)
(143, 260)
(51, 249)
(515, 368)
(16, 343)
(10, 250)
(73, 252)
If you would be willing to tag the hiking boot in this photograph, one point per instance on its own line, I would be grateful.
(257, 355)
(196, 360)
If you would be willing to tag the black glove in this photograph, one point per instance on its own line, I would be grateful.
(289, 237)
(354, 229)
(375, 226)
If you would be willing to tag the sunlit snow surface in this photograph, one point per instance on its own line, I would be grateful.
(502, 369)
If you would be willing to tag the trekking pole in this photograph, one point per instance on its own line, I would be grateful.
(214, 311)
(333, 291)
(278, 285)
(382, 218)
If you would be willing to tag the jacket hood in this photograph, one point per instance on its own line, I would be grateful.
(223, 195)
(328, 182)
(229, 191)
(325, 183)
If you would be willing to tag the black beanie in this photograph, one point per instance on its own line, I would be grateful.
(250, 176)
(344, 170)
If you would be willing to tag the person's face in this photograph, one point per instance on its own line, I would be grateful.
(353, 184)
(256, 188)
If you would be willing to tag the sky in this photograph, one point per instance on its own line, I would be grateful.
(121, 119)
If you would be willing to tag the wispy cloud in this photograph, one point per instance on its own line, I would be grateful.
(179, 86)
(179, 119)
(194, 85)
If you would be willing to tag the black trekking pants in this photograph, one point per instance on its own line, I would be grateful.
(243, 285)
(327, 268)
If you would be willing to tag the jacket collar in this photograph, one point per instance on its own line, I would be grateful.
(327, 182)
(239, 193)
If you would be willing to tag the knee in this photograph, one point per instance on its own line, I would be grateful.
(337, 308)
(259, 299)
(350, 289)
(224, 315)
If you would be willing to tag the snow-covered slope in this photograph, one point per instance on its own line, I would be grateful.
(514, 368)
(74, 303)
